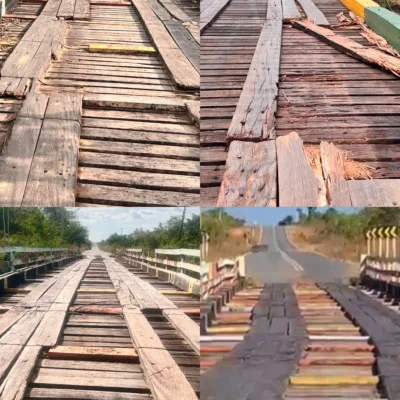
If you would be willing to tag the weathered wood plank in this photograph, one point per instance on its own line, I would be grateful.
(65, 106)
(298, 185)
(290, 10)
(185, 327)
(209, 14)
(374, 193)
(182, 71)
(82, 10)
(66, 9)
(250, 176)
(313, 13)
(52, 179)
(16, 162)
(254, 117)
(350, 47)
(94, 353)
(334, 174)
(16, 382)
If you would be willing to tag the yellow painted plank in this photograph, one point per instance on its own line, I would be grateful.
(17, 290)
(120, 48)
(96, 291)
(333, 380)
(228, 329)
(358, 6)
(336, 328)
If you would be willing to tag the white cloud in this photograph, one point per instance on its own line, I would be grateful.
(104, 221)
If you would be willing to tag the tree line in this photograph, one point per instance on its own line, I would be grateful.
(42, 227)
(351, 225)
(175, 233)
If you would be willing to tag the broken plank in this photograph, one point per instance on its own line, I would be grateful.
(368, 55)
(250, 176)
(313, 13)
(334, 175)
(16, 162)
(254, 116)
(52, 180)
(298, 185)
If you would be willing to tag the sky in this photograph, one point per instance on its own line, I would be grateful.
(270, 215)
(104, 221)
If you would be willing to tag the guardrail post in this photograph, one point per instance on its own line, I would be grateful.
(12, 259)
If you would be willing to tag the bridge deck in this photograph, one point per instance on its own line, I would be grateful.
(93, 330)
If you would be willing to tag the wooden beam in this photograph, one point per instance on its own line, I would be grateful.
(250, 176)
(334, 175)
(109, 354)
(298, 185)
(182, 72)
(209, 14)
(290, 11)
(313, 13)
(351, 48)
(120, 49)
(254, 117)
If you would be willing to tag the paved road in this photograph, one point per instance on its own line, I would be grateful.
(283, 263)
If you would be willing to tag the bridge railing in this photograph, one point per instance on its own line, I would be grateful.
(181, 273)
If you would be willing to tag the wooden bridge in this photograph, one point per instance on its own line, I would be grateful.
(295, 113)
(100, 103)
(98, 328)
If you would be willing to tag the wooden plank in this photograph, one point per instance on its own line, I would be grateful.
(175, 11)
(298, 185)
(17, 159)
(120, 49)
(377, 192)
(52, 179)
(333, 169)
(211, 13)
(250, 176)
(65, 106)
(290, 10)
(182, 72)
(82, 10)
(34, 105)
(66, 9)
(94, 353)
(185, 326)
(185, 41)
(16, 382)
(352, 48)
(314, 13)
(8, 355)
(254, 116)
(9, 318)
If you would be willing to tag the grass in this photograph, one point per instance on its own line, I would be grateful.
(314, 238)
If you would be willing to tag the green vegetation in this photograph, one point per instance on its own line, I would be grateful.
(350, 225)
(41, 227)
(171, 235)
(217, 222)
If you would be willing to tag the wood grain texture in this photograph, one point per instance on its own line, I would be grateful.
(334, 175)
(290, 10)
(82, 10)
(209, 14)
(254, 116)
(52, 179)
(376, 192)
(182, 72)
(16, 162)
(16, 382)
(298, 185)
(65, 106)
(250, 176)
(313, 13)
(352, 48)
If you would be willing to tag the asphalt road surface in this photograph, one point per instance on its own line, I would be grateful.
(284, 263)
